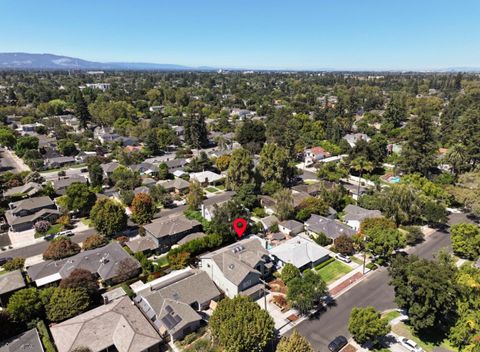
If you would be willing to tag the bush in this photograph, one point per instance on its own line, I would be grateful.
(324, 264)
(414, 235)
(41, 226)
(372, 266)
(45, 337)
(344, 245)
(14, 264)
(321, 239)
(61, 247)
(66, 303)
(94, 241)
(289, 272)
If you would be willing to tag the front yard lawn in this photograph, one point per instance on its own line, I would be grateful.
(211, 189)
(51, 231)
(391, 315)
(428, 343)
(333, 271)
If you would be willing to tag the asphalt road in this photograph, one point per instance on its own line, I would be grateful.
(372, 291)
(8, 162)
(39, 248)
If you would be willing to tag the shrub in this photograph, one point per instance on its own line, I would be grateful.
(344, 245)
(41, 226)
(14, 264)
(61, 248)
(94, 241)
(324, 264)
(66, 303)
(414, 235)
(45, 336)
(321, 239)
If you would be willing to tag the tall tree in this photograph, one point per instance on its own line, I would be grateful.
(143, 208)
(367, 325)
(195, 195)
(81, 108)
(79, 197)
(284, 206)
(274, 164)
(361, 165)
(251, 135)
(240, 169)
(108, 217)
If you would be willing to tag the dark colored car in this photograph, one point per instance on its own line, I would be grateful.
(4, 260)
(337, 344)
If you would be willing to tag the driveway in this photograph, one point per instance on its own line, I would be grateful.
(10, 162)
(374, 291)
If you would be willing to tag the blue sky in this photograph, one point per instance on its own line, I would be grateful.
(301, 34)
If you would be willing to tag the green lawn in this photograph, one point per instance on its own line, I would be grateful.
(87, 222)
(428, 343)
(220, 187)
(391, 315)
(52, 230)
(211, 189)
(333, 271)
(356, 260)
(310, 182)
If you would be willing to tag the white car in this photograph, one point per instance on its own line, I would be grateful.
(344, 258)
(409, 344)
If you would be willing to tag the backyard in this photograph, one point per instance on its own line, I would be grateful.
(333, 271)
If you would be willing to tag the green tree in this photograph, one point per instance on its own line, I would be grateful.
(240, 325)
(240, 170)
(284, 203)
(94, 241)
(251, 135)
(26, 143)
(304, 293)
(14, 264)
(466, 240)
(80, 278)
(222, 162)
(95, 173)
(274, 164)
(294, 343)
(163, 171)
(66, 303)
(367, 325)
(195, 132)
(67, 147)
(361, 165)
(246, 196)
(25, 305)
(81, 108)
(195, 195)
(289, 272)
(79, 197)
(396, 111)
(143, 208)
(108, 217)
(426, 289)
(7, 138)
(382, 242)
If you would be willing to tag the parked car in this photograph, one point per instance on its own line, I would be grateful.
(409, 344)
(344, 258)
(65, 233)
(4, 260)
(337, 344)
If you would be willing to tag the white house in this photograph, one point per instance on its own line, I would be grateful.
(206, 177)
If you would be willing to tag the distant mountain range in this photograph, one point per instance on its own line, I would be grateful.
(26, 61)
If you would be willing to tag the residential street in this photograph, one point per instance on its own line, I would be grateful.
(372, 291)
(10, 162)
(40, 247)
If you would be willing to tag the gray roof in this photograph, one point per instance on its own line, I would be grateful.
(118, 324)
(239, 259)
(41, 214)
(176, 163)
(177, 183)
(103, 261)
(11, 281)
(28, 341)
(110, 167)
(218, 199)
(331, 228)
(269, 221)
(142, 167)
(29, 188)
(299, 251)
(170, 225)
(291, 224)
(67, 181)
(32, 203)
(172, 302)
(141, 244)
(354, 212)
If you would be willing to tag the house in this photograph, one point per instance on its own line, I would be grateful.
(269, 221)
(206, 177)
(142, 244)
(354, 215)
(10, 282)
(237, 269)
(83, 156)
(269, 204)
(59, 161)
(141, 189)
(144, 168)
(333, 229)
(116, 326)
(29, 189)
(290, 227)
(177, 185)
(23, 214)
(314, 154)
(29, 341)
(109, 168)
(353, 138)
(101, 86)
(104, 262)
(114, 294)
(175, 304)
(168, 230)
(175, 165)
(209, 205)
(60, 185)
(301, 251)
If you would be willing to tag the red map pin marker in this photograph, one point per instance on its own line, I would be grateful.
(240, 225)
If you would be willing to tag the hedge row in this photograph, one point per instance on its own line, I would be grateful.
(324, 264)
(45, 336)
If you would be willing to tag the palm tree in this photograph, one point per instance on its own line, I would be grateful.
(361, 164)
(458, 159)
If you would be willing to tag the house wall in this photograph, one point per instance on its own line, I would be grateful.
(193, 326)
(214, 272)
(355, 224)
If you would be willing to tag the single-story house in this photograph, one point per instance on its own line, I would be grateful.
(144, 168)
(168, 230)
(177, 185)
(206, 177)
(84, 155)
(29, 189)
(354, 215)
(116, 326)
(9, 284)
(174, 303)
(176, 165)
(109, 168)
(333, 229)
(28, 341)
(239, 267)
(23, 214)
(104, 262)
(290, 227)
(61, 184)
(209, 205)
(142, 244)
(59, 161)
(301, 251)
(353, 138)
(269, 221)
